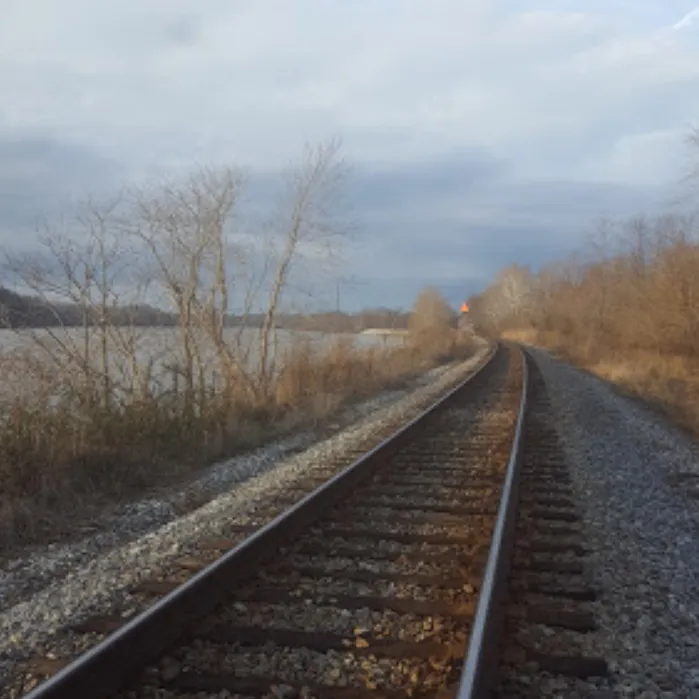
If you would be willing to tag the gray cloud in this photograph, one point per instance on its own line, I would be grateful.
(389, 190)
(40, 178)
(449, 223)
(184, 30)
(457, 241)
(481, 133)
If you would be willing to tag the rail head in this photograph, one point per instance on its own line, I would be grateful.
(480, 663)
(106, 667)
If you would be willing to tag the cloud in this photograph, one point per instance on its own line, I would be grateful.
(688, 20)
(427, 77)
(464, 236)
(39, 177)
(386, 190)
(455, 115)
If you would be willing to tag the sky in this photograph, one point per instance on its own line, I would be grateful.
(479, 133)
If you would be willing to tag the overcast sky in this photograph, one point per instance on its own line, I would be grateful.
(480, 132)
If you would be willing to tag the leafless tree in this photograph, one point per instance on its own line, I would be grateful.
(182, 228)
(432, 323)
(509, 299)
(80, 266)
(200, 261)
(308, 228)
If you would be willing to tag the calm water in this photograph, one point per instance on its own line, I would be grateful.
(158, 348)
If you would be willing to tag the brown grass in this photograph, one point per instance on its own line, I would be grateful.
(59, 462)
(630, 314)
(668, 383)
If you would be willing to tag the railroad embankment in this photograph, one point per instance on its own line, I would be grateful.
(98, 457)
(53, 586)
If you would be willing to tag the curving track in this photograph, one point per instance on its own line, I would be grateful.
(389, 580)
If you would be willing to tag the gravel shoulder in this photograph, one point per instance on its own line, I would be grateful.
(638, 480)
(48, 587)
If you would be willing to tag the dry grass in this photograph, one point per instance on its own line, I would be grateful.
(87, 458)
(628, 314)
(527, 336)
(550, 340)
(668, 383)
(431, 331)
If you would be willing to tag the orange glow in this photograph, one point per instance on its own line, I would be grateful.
(464, 308)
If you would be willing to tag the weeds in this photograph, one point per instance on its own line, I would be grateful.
(627, 310)
(58, 459)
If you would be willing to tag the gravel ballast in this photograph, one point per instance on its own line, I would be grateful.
(62, 584)
(633, 475)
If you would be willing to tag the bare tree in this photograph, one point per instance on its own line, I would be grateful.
(80, 268)
(182, 227)
(201, 262)
(509, 299)
(432, 323)
(307, 226)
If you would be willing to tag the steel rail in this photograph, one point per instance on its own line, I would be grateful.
(482, 655)
(109, 665)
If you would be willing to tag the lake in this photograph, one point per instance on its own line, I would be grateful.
(158, 348)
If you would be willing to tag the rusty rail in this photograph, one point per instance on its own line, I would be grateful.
(480, 664)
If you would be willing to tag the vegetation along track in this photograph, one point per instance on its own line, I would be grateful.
(374, 584)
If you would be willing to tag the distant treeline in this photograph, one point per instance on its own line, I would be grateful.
(20, 311)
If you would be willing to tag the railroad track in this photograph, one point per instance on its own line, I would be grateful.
(388, 580)
(549, 633)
